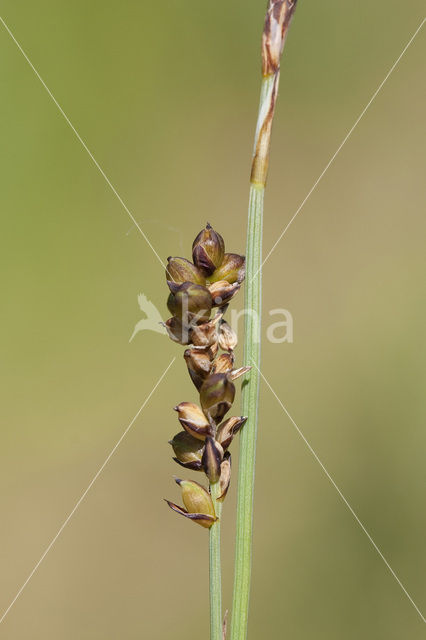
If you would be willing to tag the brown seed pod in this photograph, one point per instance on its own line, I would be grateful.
(208, 250)
(204, 335)
(180, 270)
(223, 363)
(222, 292)
(198, 503)
(232, 269)
(217, 395)
(193, 420)
(212, 458)
(177, 331)
(191, 303)
(199, 364)
(188, 450)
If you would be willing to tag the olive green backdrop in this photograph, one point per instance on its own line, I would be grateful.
(165, 96)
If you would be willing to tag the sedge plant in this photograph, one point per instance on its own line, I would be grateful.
(200, 293)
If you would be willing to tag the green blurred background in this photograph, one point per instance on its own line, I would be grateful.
(165, 96)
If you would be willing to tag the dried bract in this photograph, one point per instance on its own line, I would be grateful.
(237, 373)
(227, 337)
(277, 22)
(227, 430)
(225, 476)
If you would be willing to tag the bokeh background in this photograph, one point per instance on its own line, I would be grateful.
(165, 96)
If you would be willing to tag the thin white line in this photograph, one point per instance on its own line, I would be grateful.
(345, 139)
(342, 496)
(80, 139)
(92, 482)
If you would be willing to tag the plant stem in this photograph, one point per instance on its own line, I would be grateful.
(215, 569)
(278, 17)
(243, 549)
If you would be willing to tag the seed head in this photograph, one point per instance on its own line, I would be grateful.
(195, 289)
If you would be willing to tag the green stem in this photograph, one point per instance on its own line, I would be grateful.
(215, 569)
(250, 391)
(277, 21)
(243, 549)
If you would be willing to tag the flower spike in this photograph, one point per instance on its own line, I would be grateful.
(196, 288)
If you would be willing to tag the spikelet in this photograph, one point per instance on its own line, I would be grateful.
(211, 280)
